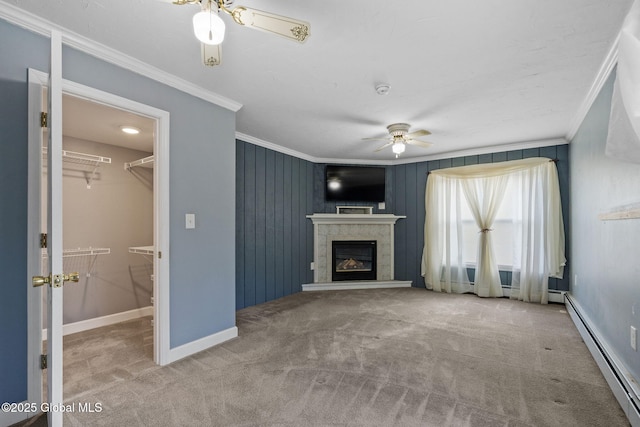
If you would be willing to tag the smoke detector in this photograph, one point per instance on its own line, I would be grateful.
(382, 88)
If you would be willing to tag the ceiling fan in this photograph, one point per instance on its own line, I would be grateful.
(399, 136)
(209, 28)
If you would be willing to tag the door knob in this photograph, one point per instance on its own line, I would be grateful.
(40, 280)
(57, 280)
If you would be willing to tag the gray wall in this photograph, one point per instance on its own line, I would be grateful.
(605, 253)
(202, 158)
(117, 212)
(18, 50)
(274, 239)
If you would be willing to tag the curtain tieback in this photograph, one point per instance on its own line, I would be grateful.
(485, 230)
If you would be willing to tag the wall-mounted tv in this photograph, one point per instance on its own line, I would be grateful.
(354, 183)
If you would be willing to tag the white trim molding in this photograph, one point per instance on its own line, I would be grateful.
(624, 388)
(521, 145)
(98, 322)
(359, 284)
(603, 74)
(202, 344)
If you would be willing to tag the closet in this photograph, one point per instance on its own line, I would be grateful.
(107, 215)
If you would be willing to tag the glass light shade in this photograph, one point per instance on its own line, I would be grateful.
(334, 185)
(398, 147)
(208, 27)
(130, 130)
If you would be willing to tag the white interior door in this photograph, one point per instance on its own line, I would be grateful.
(54, 230)
(56, 279)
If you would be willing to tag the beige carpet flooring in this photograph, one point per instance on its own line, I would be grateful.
(386, 357)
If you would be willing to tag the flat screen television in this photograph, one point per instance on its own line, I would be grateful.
(354, 183)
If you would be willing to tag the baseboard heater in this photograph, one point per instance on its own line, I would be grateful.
(622, 388)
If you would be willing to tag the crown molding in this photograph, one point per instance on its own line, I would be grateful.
(41, 26)
(605, 70)
(274, 147)
(523, 145)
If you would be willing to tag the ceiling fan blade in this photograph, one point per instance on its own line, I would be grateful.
(211, 54)
(376, 139)
(383, 147)
(424, 144)
(290, 28)
(420, 132)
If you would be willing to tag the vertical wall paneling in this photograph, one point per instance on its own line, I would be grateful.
(295, 224)
(287, 253)
(240, 227)
(270, 225)
(260, 227)
(276, 241)
(249, 218)
(279, 225)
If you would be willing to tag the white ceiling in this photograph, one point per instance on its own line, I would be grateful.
(474, 73)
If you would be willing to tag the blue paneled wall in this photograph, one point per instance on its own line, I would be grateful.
(274, 239)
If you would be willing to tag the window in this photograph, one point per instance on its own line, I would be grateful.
(494, 215)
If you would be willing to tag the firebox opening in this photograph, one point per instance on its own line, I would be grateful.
(354, 260)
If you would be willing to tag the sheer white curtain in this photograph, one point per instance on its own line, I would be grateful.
(443, 266)
(484, 196)
(538, 231)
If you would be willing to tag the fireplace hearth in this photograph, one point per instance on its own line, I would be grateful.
(354, 260)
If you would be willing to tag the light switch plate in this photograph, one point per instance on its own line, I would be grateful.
(190, 221)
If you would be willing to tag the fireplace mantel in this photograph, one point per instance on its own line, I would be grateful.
(354, 218)
(330, 227)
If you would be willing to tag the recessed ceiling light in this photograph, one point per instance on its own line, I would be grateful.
(130, 130)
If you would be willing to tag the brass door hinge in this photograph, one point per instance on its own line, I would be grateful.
(43, 361)
(43, 120)
(43, 240)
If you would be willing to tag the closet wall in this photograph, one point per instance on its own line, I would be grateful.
(115, 213)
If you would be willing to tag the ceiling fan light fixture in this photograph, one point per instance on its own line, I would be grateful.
(398, 147)
(208, 27)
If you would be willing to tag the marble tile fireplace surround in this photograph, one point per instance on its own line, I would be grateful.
(358, 227)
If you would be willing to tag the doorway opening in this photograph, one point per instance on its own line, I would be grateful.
(116, 224)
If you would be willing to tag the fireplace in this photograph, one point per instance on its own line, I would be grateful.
(353, 260)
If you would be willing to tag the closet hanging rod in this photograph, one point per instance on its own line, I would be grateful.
(146, 162)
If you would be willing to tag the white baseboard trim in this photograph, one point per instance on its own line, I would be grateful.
(359, 284)
(96, 322)
(554, 296)
(623, 388)
(202, 344)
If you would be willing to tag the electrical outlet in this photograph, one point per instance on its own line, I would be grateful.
(312, 266)
(575, 280)
(633, 338)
